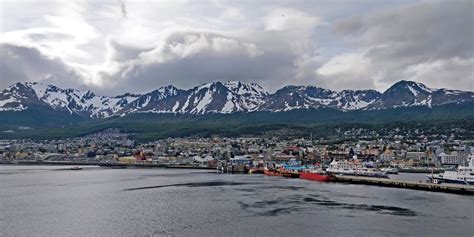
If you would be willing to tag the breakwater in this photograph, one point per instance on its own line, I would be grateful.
(446, 188)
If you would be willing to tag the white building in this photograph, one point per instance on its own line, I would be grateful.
(452, 159)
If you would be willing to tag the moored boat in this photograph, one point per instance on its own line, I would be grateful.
(390, 170)
(76, 168)
(292, 169)
(256, 170)
(271, 172)
(464, 175)
(315, 175)
(354, 169)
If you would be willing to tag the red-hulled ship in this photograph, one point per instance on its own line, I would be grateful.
(315, 175)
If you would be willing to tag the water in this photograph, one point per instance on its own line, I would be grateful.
(47, 201)
(416, 177)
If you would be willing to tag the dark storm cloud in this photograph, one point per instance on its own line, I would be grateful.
(432, 30)
(431, 42)
(21, 64)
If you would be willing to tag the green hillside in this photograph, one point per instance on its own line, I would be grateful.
(146, 126)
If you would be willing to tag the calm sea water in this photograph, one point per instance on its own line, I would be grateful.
(51, 201)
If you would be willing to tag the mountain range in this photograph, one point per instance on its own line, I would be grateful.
(222, 98)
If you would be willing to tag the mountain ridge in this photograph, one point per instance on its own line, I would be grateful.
(223, 98)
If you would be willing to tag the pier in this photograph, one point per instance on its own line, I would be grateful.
(445, 188)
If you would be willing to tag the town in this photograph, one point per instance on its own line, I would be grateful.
(407, 151)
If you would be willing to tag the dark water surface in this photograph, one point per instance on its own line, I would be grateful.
(52, 201)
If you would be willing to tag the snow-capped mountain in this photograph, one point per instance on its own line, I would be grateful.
(228, 97)
(410, 93)
(213, 97)
(305, 97)
(20, 96)
(153, 101)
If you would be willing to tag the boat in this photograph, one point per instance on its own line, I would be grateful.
(257, 170)
(352, 168)
(271, 172)
(290, 173)
(292, 169)
(315, 175)
(463, 175)
(225, 167)
(76, 168)
(390, 170)
(370, 172)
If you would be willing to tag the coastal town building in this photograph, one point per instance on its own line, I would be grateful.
(449, 159)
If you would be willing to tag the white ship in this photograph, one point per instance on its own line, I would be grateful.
(464, 174)
(350, 168)
(390, 170)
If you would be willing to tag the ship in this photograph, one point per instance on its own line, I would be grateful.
(258, 169)
(292, 169)
(271, 172)
(390, 170)
(290, 173)
(315, 174)
(463, 175)
(353, 168)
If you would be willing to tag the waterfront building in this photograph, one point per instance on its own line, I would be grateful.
(451, 159)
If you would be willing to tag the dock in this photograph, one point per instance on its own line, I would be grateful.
(444, 188)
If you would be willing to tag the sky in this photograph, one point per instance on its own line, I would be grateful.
(117, 46)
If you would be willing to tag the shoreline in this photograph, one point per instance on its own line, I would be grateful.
(392, 183)
(177, 166)
(104, 165)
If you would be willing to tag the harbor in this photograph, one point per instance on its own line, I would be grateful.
(185, 202)
(354, 172)
(337, 172)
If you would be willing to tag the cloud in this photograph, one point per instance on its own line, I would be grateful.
(20, 64)
(186, 59)
(187, 44)
(117, 47)
(161, 44)
(60, 35)
(430, 42)
(454, 72)
(348, 64)
(123, 8)
(288, 19)
(353, 70)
